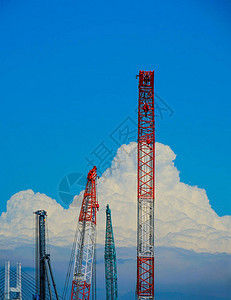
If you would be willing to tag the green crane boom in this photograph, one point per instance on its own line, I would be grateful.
(110, 260)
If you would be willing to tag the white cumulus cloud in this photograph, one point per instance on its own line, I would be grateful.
(183, 215)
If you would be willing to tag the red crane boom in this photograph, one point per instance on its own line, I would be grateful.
(146, 187)
(85, 245)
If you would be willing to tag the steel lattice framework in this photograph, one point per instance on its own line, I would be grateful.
(146, 189)
(110, 260)
(85, 245)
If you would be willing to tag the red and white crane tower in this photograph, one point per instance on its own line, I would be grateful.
(85, 244)
(146, 187)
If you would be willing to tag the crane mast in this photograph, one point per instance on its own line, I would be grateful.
(110, 260)
(146, 188)
(85, 245)
(43, 262)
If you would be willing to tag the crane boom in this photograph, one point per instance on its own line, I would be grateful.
(85, 244)
(110, 260)
(146, 190)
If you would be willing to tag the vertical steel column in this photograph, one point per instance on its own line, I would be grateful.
(37, 262)
(42, 252)
(146, 189)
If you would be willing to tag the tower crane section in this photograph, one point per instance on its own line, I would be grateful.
(146, 187)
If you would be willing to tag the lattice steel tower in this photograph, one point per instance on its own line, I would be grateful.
(110, 260)
(85, 244)
(146, 189)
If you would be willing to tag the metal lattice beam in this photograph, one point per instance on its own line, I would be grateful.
(146, 190)
(110, 260)
(85, 244)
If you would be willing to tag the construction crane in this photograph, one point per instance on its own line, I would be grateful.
(110, 260)
(43, 264)
(85, 242)
(146, 187)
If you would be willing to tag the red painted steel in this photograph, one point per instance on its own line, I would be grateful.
(80, 287)
(88, 209)
(146, 187)
(83, 291)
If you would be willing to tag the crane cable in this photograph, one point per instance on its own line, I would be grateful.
(93, 297)
(70, 266)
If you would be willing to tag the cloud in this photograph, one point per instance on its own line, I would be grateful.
(17, 223)
(183, 215)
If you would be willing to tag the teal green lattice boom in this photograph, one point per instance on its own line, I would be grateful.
(110, 260)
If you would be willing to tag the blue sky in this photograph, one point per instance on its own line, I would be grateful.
(68, 80)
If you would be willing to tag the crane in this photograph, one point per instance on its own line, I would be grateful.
(146, 187)
(85, 243)
(43, 263)
(110, 260)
